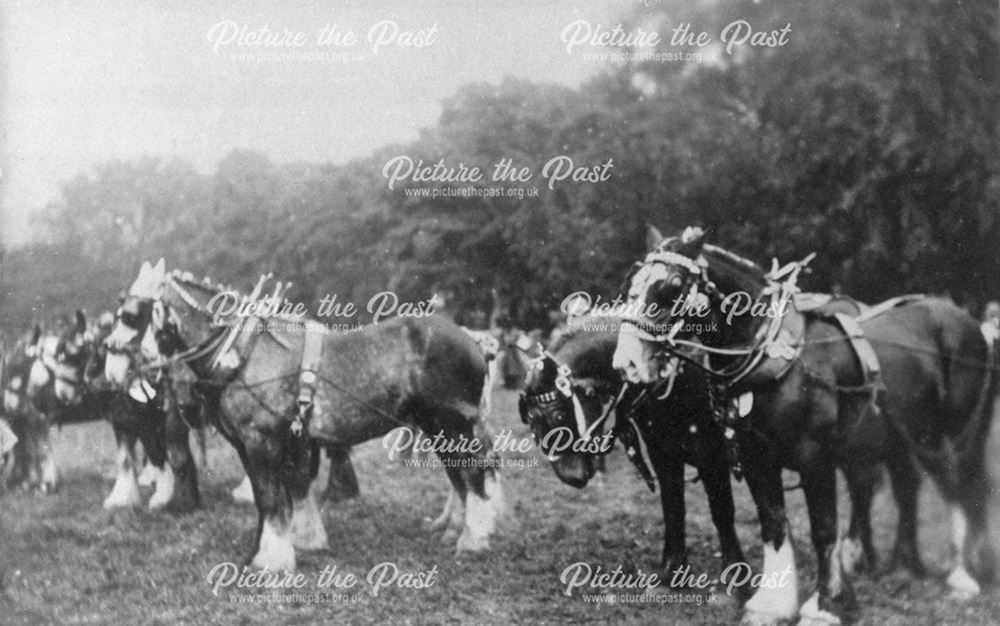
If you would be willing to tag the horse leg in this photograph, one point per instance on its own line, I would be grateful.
(342, 483)
(47, 462)
(273, 546)
(148, 421)
(780, 600)
(834, 598)
(301, 464)
(671, 477)
(21, 452)
(967, 499)
(147, 477)
(715, 480)
(184, 495)
(600, 471)
(483, 506)
(857, 550)
(905, 490)
(125, 492)
(452, 516)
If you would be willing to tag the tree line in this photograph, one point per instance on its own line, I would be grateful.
(870, 137)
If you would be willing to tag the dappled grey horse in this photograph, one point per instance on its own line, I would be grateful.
(422, 373)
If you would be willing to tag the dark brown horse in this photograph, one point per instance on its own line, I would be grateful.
(676, 426)
(570, 388)
(815, 406)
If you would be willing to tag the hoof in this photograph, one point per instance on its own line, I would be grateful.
(124, 494)
(450, 536)
(963, 586)
(147, 476)
(852, 556)
(336, 495)
(753, 618)
(275, 552)
(307, 526)
(164, 480)
(812, 615)
(470, 544)
(904, 559)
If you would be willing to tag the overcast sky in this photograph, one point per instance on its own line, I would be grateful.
(87, 81)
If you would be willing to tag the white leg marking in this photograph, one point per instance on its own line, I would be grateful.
(455, 520)
(276, 551)
(126, 490)
(777, 602)
(50, 473)
(813, 616)
(851, 554)
(962, 584)
(244, 491)
(481, 517)
(308, 532)
(148, 475)
(441, 522)
(164, 479)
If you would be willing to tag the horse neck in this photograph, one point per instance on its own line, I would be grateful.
(733, 275)
(264, 355)
(196, 323)
(589, 355)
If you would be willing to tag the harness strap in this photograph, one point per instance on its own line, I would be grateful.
(312, 352)
(862, 347)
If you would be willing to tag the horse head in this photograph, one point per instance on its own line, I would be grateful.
(568, 408)
(132, 340)
(686, 295)
(61, 358)
(162, 314)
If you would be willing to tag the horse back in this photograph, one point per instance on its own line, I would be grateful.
(449, 364)
(933, 350)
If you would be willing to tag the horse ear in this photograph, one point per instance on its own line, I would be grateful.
(81, 322)
(142, 280)
(653, 237)
(158, 276)
(36, 334)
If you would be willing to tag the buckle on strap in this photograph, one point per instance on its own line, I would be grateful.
(312, 352)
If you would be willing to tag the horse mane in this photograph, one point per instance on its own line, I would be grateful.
(579, 326)
(674, 244)
(188, 280)
(732, 257)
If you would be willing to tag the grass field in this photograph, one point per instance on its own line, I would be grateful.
(64, 560)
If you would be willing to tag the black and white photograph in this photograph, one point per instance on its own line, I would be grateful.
(516, 312)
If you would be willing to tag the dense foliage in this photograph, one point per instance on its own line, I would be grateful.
(871, 138)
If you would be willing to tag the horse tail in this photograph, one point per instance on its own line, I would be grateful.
(971, 442)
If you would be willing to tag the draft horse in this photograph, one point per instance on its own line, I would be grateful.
(568, 399)
(815, 406)
(55, 379)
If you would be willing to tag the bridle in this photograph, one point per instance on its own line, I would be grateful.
(697, 289)
(535, 408)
